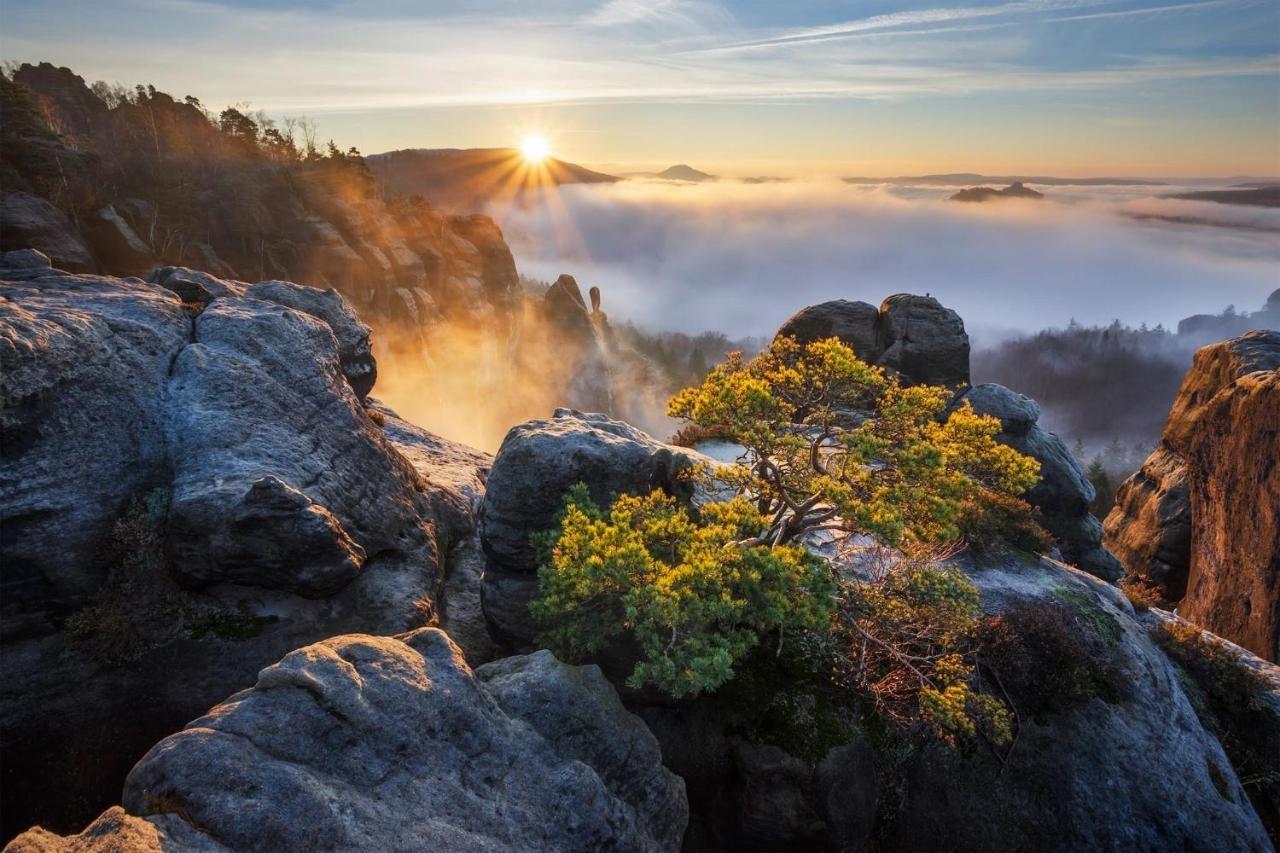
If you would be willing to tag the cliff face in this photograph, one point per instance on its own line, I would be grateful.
(123, 182)
(194, 483)
(1201, 520)
(158, 181)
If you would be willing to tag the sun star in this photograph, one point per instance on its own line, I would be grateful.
(535, 148)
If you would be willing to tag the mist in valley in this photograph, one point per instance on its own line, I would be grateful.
(1074, 300)
(741, 258)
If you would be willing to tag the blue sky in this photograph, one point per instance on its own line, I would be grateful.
(1154, 87)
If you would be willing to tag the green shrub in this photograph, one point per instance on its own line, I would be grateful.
(790, 700)
(138, 608)
(692, 599)
(909, 638)
(1211, 665)
(991, 522)
(1049, 658)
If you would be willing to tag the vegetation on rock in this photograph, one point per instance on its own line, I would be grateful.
(1228, 698)
(910, 635)
(1053, 654)
(831, 443)
(141, 608)
(693, 601)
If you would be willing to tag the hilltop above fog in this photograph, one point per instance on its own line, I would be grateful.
(467, 179)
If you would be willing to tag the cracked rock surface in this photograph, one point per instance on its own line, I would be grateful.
(377, 743)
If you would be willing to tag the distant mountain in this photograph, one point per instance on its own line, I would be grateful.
(962, 178)
(683, 173)
(1261, 196)
(1014, 190)
(468, 178)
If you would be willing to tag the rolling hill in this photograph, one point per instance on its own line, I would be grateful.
(466, 179)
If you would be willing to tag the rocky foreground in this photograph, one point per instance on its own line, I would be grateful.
(246, 602)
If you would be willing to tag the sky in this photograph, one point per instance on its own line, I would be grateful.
(1072, 87)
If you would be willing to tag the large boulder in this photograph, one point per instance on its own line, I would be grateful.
(28, 221)
(191, 488)
(362, 742)
(538, 462)
(923, 341)
(1179, 523)
(854, 323)
(116, 244)
(916, 337)
(286, 483)
(1063, 493)
(355, 349)
(355, 344)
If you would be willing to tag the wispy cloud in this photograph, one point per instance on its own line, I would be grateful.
(682, 14)
(1153, 10)
(910, 22)
(905, 19)
(343, 57)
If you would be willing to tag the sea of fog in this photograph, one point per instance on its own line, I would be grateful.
(740, 258)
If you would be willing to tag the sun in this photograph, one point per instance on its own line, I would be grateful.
(535, 148)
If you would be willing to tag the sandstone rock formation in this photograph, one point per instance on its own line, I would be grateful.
(571, 349)
(29, 221)
(914, 336)
(264, 505)
(319, 227)
(1201, 520)
(854, 323)
(1149, 527)
(1054, 788)
(117, 244)
(1210, 328)
(538, 463)
(525, 753)
(923, 341)
(1063, 493)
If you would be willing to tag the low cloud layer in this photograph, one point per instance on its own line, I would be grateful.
(740, 258)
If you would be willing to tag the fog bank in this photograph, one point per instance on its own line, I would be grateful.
(740, 258)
